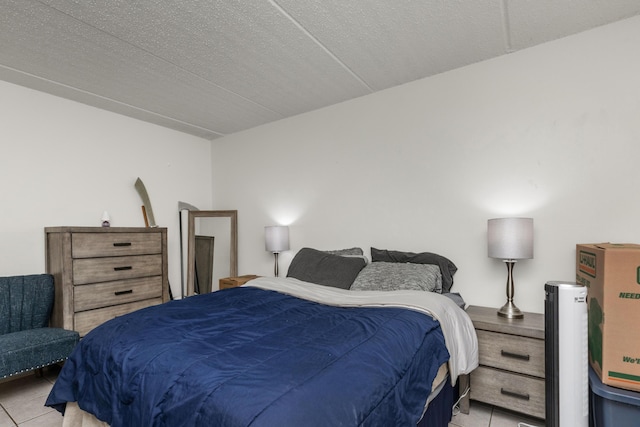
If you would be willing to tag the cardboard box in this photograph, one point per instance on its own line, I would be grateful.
(611, 273)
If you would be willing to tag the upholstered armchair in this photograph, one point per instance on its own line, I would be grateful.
(26, 341)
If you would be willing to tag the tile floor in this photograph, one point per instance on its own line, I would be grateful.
(22, 404)
(22, 401)
(481, 415)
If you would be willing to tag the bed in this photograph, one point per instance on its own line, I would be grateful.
(278, 351)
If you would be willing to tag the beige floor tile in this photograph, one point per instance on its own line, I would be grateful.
(23, 388)
(5, 420)
(27, 408)
(479, 416)
(50, 419)
(501, 418)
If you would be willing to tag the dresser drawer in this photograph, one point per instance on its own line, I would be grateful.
(87, 297)
(91, 245)
(513, 353)
(94, 270)
(87, 320)
(519, 393)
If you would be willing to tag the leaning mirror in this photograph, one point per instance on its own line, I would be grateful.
(212, 249)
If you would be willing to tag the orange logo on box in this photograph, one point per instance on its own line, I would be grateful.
(587, 263)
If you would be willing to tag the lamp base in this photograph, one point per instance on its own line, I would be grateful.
(275, 265)
(510, 311)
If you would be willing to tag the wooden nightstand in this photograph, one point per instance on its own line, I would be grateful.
(232, 282)
(511, 352)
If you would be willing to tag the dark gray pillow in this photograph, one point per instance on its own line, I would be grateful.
(447, 268)
(321, 268)
(457, 298)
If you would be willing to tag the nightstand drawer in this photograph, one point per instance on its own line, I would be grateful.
(519, 393)
(91, 245)
(98, 295)
(512, 353)
(94, 270)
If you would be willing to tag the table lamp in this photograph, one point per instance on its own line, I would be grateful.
(510, 239)
(276, 240)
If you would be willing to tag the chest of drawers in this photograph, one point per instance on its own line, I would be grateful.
(101, 273)
(511, 352)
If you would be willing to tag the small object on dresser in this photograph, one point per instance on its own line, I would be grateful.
(106, 220)
(232, 282)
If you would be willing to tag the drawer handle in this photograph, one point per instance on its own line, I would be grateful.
(117, 244)
(128, 267)
(130, 291)
(514, 394)
(514, 355)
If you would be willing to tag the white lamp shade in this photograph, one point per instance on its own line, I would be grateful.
(276, 238)
(510, 238)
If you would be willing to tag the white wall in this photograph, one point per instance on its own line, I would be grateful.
(552, 132)
(64, 163)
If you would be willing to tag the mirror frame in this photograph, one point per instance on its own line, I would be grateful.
(191, 258)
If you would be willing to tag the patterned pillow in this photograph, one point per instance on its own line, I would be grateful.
(393, 276)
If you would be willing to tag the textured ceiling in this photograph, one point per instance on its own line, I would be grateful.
(214, 67)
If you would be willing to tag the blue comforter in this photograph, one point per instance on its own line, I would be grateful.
(248, 356)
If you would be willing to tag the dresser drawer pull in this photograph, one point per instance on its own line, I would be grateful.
(118, 244)
(130, 291)
(514, 355)
(514, 394)
(128, 267)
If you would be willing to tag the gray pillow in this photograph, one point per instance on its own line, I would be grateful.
(390, 276)
(346, 252)
(321, 268)
(351, 252)
(447, 268)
